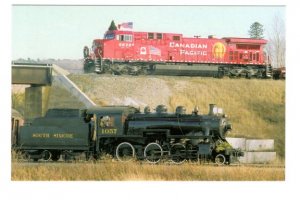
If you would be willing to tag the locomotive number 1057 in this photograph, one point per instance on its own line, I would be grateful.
(109, 131)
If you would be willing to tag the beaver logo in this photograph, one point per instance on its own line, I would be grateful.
(218, 50)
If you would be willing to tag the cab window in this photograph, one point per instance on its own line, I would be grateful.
(126, 38)
(109, 36)
(159, 36)
(106, 121)
(150, 35)
(176, 37)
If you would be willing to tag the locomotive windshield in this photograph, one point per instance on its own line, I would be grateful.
(109, 36)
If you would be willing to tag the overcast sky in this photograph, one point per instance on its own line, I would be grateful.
(62, 31)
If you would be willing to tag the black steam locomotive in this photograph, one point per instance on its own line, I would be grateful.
(128, 134)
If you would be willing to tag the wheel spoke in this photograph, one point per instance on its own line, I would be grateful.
(153, 153)
(125, 152)
(46, 155)
(220, 159)
(178, 153)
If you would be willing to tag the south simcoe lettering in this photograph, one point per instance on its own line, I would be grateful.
(55, 135)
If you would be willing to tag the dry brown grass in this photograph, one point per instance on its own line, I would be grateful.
(255, 107)
(134, 171)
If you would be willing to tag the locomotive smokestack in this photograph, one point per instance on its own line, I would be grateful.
(212, 107)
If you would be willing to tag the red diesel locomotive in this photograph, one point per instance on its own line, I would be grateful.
(124, 51)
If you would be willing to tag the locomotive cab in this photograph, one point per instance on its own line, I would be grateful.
(109, 121)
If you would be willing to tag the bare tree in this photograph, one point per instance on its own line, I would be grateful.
(276, 46)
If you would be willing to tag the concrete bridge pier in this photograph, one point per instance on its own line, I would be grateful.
(36, 101)
(39, 77)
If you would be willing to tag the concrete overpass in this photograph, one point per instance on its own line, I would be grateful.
(35, 75)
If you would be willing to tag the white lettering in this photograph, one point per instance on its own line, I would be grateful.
(189, 46)
(126, 45)
(193, 53)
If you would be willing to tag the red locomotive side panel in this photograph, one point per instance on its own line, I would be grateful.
(167, 47)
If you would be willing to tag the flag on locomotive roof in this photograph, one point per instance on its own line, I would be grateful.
(126, 25)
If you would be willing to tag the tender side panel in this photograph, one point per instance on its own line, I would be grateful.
(74, 136)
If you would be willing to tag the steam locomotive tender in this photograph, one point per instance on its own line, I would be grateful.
(124, 51)
(127, 134)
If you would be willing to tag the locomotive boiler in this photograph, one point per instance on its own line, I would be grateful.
(126, 133)
(124, 51)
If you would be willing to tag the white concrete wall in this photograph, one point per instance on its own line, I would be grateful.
(237, 143)
(259, 145)
(252, 144)
(255, 150)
